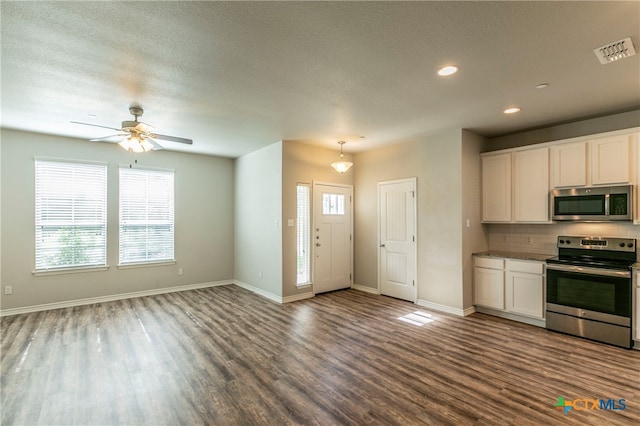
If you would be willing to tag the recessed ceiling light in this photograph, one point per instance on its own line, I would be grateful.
(448, 70)
(542, 85)
(511, 110)
(91, 115)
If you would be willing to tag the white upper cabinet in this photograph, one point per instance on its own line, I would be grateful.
(607, 160)
(515, 187)
(569, 165)
(531, 185)
(516, 182)
(496, 188)
(612, 160)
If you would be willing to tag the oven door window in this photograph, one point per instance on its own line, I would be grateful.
(592, 292)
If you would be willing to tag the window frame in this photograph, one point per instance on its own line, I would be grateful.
(303, 236)
(124, 261)
(79, 215)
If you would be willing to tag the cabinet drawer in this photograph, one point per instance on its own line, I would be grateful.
(489, 262)
(524, 266)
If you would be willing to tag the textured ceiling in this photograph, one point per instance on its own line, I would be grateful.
(236, 76)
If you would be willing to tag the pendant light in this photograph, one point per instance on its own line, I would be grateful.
(341, 166)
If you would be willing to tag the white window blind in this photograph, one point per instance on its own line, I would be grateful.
(303, 249)
(71, 214)
(146, 216)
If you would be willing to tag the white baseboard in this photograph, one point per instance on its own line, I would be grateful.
(365, 288)
(261, 292)
(110, 298)
(271, 296)
(443, 308)
(297, 297)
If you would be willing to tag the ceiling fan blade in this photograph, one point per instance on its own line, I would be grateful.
(95, 125)
(110, 138)
(156, 145)
(172, 139)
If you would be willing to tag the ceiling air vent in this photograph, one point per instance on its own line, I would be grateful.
(613, 51)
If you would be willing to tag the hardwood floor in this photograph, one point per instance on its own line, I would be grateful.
(225, 356)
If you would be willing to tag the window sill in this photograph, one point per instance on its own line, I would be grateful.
(307, 285)
(146, 264)
(61, 271)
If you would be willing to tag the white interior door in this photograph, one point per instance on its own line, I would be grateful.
(397, 231)
(332, 219)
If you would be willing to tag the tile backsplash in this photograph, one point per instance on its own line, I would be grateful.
(543, 238)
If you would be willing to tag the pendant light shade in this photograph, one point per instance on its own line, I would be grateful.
(341, 166)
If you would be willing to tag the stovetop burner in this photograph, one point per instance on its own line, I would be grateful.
(596, 252)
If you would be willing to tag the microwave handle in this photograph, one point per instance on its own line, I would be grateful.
(606, 205)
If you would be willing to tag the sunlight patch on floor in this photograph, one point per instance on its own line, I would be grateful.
(418, 318)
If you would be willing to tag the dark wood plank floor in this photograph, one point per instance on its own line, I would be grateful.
(225, 356)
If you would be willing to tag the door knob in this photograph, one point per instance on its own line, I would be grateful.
(318, 244)
(382, 245)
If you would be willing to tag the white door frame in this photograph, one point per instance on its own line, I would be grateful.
(313, 227)
(414, 181)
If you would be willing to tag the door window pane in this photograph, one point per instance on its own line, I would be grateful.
(332, 204)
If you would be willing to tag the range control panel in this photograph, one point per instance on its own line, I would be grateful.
(598, 243)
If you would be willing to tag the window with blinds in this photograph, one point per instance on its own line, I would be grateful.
(71, 214)
(146, 216)
(303, 247)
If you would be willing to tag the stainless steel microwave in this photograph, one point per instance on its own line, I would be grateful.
(600, 204)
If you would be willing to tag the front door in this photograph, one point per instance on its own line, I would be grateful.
(332, 221)
(397, 230)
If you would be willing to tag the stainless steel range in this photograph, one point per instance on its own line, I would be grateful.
(589, 291)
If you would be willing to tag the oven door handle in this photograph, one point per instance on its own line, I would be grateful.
(588, 270)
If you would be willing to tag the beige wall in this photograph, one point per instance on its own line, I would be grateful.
(623, 120)
(203, 222)
(305, 164)
(258, 219)
(474, 234)
(437, 163)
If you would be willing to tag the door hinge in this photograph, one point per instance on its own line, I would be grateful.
(414, 238)
(414, 282)
(349, 277)
(349, 237)
(413, 194)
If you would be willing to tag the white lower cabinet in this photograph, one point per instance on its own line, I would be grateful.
(488, 288)
(525, 288)
(515, 287)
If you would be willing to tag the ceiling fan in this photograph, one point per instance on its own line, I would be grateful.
(135, 135)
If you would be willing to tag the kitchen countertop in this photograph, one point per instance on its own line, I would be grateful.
(514, 255)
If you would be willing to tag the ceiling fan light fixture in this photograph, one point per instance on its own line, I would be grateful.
(136, 144)
(341, 166)
(128, 143)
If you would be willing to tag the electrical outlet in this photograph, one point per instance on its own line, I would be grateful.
(529, 239)
(180, 271)
(260, 274)
(8, 289)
